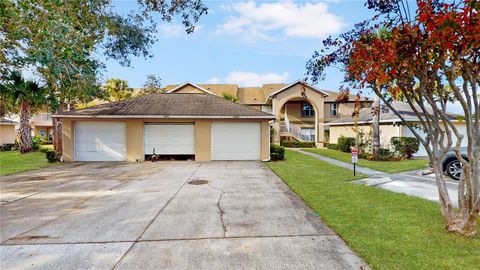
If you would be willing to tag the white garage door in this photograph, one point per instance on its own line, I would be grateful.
(235, 141)
(169, 139)
(99, 141)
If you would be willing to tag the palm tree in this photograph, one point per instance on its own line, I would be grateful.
(117, 89)
(24, 97)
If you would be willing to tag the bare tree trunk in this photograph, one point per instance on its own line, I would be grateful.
(25, 132)
(376, 128)
(57, 131)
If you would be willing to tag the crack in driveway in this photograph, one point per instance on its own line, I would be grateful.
(156, 216)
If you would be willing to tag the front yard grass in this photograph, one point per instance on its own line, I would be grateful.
(14, 162)
(383, 166)
(388, 230)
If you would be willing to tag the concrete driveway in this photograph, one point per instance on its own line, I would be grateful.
(158, 215)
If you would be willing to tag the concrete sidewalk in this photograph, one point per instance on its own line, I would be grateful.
(367, 171)
(412, 183)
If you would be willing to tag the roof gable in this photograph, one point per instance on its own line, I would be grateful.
(295, 83)
(189, 84)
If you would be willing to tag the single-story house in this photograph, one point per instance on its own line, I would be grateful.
(390, 125)
(7, 131)
(202, 126)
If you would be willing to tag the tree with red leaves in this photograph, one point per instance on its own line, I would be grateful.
(429, 61)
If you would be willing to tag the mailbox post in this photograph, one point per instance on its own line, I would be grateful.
(354, 159)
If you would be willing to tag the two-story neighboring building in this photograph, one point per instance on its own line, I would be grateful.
(301, 110)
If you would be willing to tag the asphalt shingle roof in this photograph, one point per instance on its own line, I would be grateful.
(386, 115)
(170, 105)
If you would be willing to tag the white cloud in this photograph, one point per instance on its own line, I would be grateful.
(173, 30)
(251, 79)
(214, 80)
(264, 21)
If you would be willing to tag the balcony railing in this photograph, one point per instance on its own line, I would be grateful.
(294, 131)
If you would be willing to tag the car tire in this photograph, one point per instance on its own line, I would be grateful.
(454, 169)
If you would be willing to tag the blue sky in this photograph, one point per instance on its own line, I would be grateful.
(243, 42)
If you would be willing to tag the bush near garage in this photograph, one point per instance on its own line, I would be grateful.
(345, 143)
(405, 146)
(51, 156)
(9, 147)
(277, 152)
(295, 144)
(332, 146)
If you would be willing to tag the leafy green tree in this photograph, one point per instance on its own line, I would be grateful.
(23, 97)
(152, 85)
(58, 40)
(117, 89)
(230, 97)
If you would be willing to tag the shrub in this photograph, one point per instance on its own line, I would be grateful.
(36, 142)
(51, 156)
(405, 146)
(295, 144)
(332, 146)
(277, 152)
(8, 147)
(345, 143)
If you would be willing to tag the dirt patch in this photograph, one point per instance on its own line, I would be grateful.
(198, 182)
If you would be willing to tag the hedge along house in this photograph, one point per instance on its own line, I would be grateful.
(200, 126)
(390, 125)
(300, 109)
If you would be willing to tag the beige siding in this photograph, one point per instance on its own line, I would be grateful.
(189, 89)
(134, 137)
(7, 134)
(343, 110)
(386, 133)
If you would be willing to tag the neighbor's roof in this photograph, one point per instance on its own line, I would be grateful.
(5, 121)
(386, 116)
(170, 105)
(253, 95)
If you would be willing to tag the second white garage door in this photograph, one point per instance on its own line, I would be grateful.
(169, 139)
(235, 141)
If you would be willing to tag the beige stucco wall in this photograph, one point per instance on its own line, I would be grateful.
(295, 92)
(7, 134)
(343, 110)
(387, 131)
(67, 140)
(134, 137)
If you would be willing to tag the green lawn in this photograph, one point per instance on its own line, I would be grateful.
(384, 166)
(388, 230)
(14, 162)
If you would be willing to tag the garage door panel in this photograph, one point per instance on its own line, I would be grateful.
(170, 139)
(99, 141)
(235, 141)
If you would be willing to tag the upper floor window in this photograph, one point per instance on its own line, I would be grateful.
(307, 110)
(333, 109)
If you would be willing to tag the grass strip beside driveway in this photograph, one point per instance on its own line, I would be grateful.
(383, 166)
(14, 162)
(388, 230)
